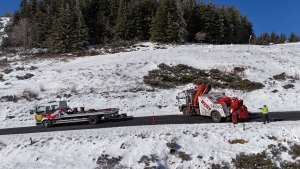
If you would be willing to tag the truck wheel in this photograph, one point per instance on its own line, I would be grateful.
(93, 120)
(216, 117)
(46, 123)
(186, 112)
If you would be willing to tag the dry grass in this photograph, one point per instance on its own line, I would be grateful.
(272, 138)
(29, 95)
(237, 141)
(42, 87)
(4, 64)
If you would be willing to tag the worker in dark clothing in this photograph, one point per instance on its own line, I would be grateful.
(265, 112)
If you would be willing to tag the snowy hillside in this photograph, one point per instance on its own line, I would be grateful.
(116, 80)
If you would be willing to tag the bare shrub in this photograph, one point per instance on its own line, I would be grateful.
(288, 86)
(32, 68)
(200, 36)
(9, 98)
(4, 64)
(1, 78)
(260, 160)
(20, 68)
(145, 159)
(42, 87)
(224, 165)
(7, 71)
(240, 71)
(272, 138)
(183, 156)
(281, 76)
(73, 88)
(2, 145)
(297, 77)
(105, 161)
(29, 95)
(172, 144)
(289, 165)
(21, 34)
(27, 76)
(295, 151)
(92, 90)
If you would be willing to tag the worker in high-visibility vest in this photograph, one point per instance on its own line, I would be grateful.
(265, 112)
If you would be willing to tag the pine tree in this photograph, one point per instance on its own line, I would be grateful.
(293, 37)
(273, 37)
(64, 29)
(282, 38)
(123, 22)
(265, 38)
(164, 26)
(191, 18)
(80, 32)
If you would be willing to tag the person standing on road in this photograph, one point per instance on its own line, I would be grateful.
(265, 112)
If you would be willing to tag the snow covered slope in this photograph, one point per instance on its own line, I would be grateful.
(116, 80)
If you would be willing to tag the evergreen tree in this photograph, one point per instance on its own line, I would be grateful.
(64, 28)
(282, 38)
(124, 21)
(273, 37)
(293, 37)
(190, 17)
(66, 25)
(80, 32)
(265, 38)
(164, 26)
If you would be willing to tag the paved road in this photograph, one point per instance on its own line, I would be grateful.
(138, 121)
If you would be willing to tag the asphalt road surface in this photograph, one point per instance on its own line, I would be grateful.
(148, 120)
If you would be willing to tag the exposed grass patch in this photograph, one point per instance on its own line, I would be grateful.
(272, 138)
(9, 98)
(169, 77)
(281, 76)
(172, 144)
(288, 86)
(237, 141)
(20, 68)
(42, 87)
(221, 166)
(4, 64)
(289, 165)
(33, 68)
(27, 76)
(7, 71)
(145, 159)
(253, 161)
(183, 156)
(29, 95)
(1, 78)
(106, 161)
(295, 151)
(73, 88)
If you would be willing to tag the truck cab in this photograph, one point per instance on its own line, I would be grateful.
(48, 108)
(184, 98)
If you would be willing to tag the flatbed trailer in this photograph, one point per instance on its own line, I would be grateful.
(49, 114)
